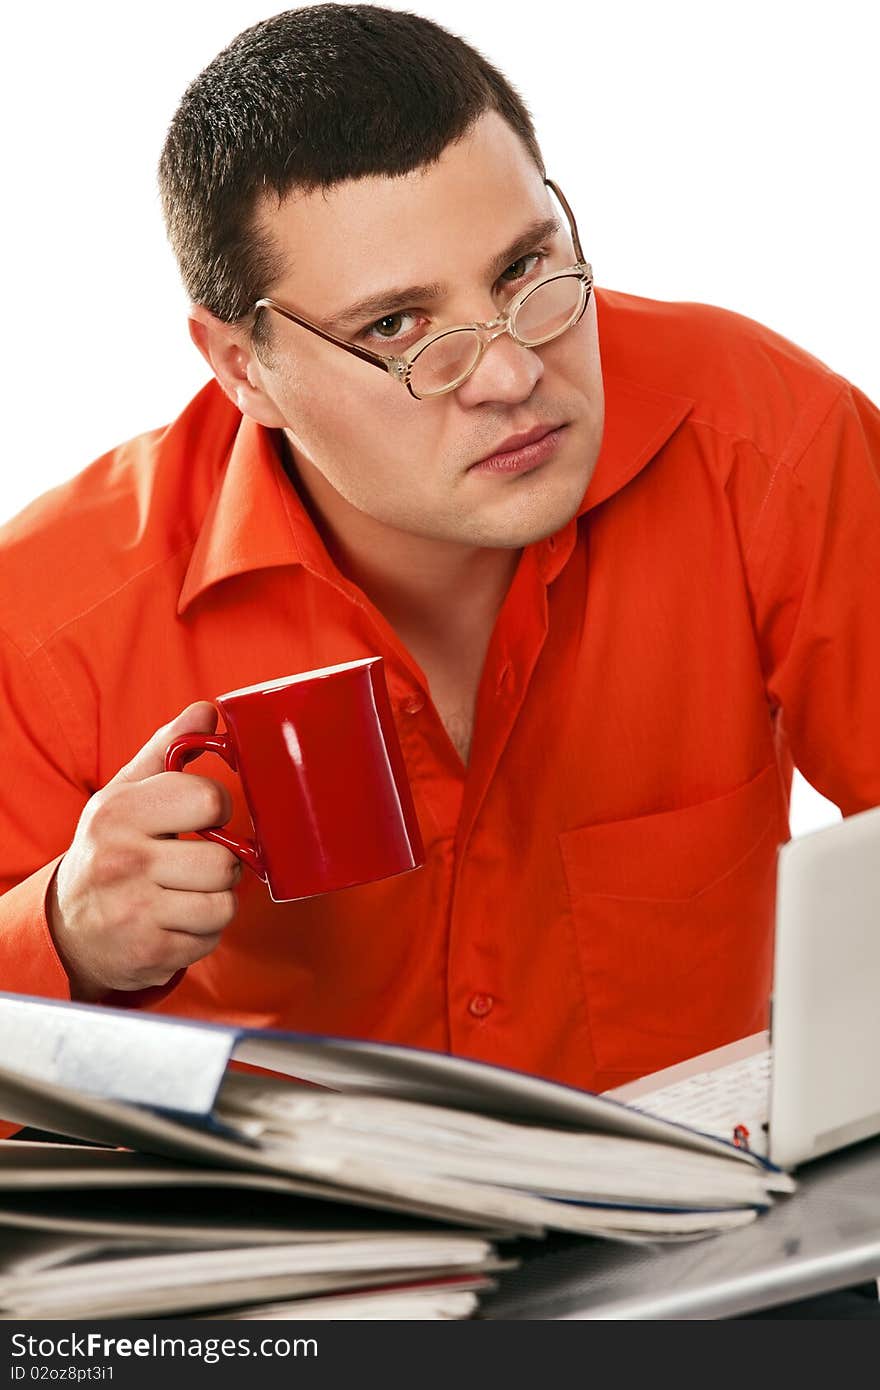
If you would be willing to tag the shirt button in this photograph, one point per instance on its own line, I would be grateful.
(505, 675)
(551, 543)
(413, 703)
(481, 1005)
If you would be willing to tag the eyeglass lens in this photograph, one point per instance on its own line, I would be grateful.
(545, 313)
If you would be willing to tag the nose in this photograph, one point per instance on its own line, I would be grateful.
(507, 372)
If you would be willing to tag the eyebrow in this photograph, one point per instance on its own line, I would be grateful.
(389, 301)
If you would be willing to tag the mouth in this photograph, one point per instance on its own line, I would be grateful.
(520, 453)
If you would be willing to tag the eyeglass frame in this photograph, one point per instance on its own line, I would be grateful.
(400, 368)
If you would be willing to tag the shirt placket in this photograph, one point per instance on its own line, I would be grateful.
(475, 999)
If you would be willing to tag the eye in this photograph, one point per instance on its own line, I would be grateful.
(388, 329)
(537, 256)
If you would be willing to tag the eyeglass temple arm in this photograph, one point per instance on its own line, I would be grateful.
(385, 364)
(578, 249)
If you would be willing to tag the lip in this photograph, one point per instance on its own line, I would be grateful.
(541, 444)
(514, 442)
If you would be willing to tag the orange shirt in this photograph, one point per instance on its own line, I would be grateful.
(598, 892)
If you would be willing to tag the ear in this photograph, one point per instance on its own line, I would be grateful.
(228, 352)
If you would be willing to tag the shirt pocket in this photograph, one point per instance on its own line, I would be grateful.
(673, 919)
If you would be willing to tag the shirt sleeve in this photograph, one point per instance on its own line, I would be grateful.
(41, 799)
(817, 602)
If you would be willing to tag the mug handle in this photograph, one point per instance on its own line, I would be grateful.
(181, 752)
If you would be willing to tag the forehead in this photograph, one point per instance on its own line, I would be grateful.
(336, 244)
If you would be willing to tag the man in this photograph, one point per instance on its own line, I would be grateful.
(621, 558)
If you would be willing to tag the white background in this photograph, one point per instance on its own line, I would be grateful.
(718, 152)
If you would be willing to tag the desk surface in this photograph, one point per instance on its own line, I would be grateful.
(825, 1236)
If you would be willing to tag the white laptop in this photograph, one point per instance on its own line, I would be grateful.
(813, 1084)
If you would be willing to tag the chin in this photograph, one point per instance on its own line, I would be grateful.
(537, 517)
(516, 535)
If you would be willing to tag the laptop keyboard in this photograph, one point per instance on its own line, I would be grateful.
(730, 1101)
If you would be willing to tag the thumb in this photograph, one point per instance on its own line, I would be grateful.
(198, 718)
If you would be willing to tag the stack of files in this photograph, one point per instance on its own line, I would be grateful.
(100, 1232)
(373, 1125)
(46, 1276)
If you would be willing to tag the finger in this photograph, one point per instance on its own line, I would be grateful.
(198, 718)
(185, 948)
(199, 914)
(175, 951)
(193, 866)
(171, 803)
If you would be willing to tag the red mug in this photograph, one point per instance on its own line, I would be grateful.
(323, 777)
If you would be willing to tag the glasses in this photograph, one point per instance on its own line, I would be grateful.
(442, 361)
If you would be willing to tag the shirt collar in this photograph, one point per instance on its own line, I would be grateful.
(256, 518)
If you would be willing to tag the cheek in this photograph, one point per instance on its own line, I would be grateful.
(580, 352)
(362, 438)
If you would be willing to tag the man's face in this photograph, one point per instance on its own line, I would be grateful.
(365, 451)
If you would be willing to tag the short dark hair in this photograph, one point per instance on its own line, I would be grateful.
(305, 100)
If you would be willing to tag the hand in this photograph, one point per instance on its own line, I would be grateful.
(130, 905)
